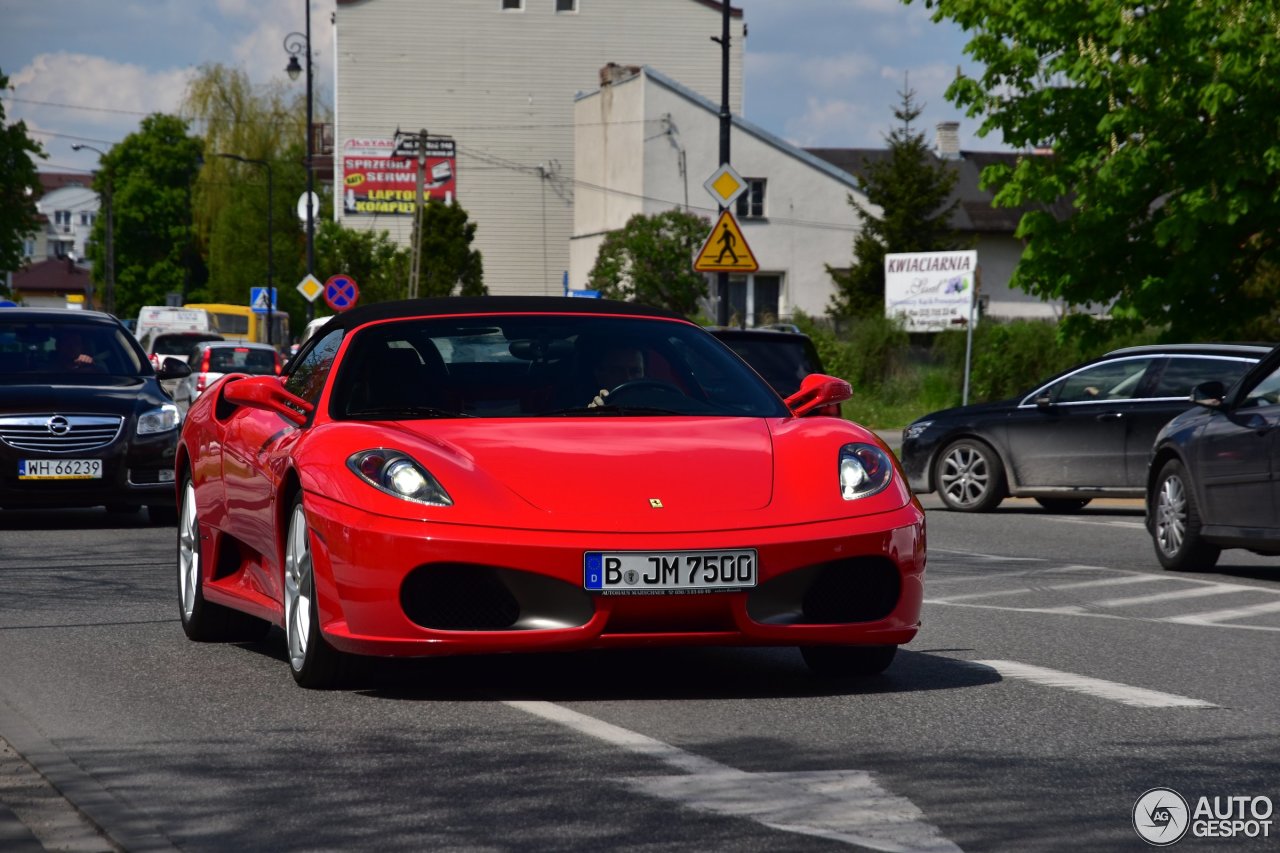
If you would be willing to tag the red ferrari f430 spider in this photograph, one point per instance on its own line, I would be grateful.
(520, 474)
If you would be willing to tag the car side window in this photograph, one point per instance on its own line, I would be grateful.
(1265, 393)
(1112, 380)
(1182, 373)
(307, 378)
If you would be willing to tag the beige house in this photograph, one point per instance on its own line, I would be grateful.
(499, 77)
(645, 143)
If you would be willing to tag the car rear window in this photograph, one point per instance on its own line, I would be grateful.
(1182, 373)
(179, 344)
(241, 360)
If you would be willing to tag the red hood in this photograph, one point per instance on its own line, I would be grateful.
(693, 466)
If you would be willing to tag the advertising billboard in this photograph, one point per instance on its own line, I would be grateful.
(931, 291)
(379, 179)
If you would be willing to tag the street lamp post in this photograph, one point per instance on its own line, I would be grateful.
(109, 298)
(270, 255)
(295, 43)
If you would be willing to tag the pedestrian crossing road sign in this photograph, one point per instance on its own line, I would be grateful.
(258, 300)
(725, 250)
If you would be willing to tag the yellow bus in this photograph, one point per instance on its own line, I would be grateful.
(242, 323)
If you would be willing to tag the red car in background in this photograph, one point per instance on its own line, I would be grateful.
(508, 474)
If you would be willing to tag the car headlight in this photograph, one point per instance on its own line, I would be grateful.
(398, 475)
(162, 419)
(915, 430)
(864, 470)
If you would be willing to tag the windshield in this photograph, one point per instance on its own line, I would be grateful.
(43, 347)
(544, 366)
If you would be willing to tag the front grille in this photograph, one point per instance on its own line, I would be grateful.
(468, 597)
(59, 433)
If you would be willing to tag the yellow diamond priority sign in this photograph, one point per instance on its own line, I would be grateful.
(311, 287)
(725, 250)
(725, 185)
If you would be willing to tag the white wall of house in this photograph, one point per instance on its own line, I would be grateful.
(502, 84)
(71, 212)
(629, 140)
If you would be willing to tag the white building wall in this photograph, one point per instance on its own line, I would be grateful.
(82, 204)
(808, 221)
(502, 84)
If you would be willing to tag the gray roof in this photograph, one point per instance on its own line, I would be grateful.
(975, 212)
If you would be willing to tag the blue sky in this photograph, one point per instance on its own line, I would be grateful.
(817, 73)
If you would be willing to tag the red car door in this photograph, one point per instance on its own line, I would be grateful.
(253, 463)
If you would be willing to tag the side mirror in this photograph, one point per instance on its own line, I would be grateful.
(1044, 401)
(1209, 394)
(172, 368)
(267, 393)
(818, 391)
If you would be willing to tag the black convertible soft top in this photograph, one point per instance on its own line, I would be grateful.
(446, 305)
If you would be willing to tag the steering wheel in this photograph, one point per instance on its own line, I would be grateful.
(640, 384)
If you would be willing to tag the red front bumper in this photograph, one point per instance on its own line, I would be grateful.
(362, 560)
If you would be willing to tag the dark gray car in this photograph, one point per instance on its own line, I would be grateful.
(83, 420)
(1082, 434)
(1214, 477)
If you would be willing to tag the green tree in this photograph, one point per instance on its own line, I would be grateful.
(19, 187)
(264, 124)
(1161, 123)
(448, 264)
(911, 187)
(377, 264)
(150, 174)
(650, 260)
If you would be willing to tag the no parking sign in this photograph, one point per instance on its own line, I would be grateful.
(341, 292)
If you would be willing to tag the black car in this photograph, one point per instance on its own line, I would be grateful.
(1085, 433)
(1214, 477)
(781, 355)
(83, 420)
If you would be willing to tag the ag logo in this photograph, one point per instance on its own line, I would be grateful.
(1161, 817)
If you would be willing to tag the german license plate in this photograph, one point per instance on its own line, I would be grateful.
(641, 572)
(59, 469)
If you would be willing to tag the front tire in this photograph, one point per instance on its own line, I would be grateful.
(201, 620)
(848, 661)
(969, 476)
(313, 662)
(1063, 505)
(1175, 530)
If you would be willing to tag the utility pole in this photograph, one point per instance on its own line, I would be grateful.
(415, 250)
(726, 125)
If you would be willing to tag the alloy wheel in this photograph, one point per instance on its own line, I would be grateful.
(298, 588)
(188, 552)
(1171, 516)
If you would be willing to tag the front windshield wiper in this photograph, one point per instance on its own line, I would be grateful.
(381, 412)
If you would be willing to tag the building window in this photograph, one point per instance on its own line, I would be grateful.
(62, 217)
(751, 202)
(566, 5)
(84, 217)
(513, 5)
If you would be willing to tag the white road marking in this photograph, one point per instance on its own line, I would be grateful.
(1130, 524)
(1175, 595)
(840, 805)
(1217, 616)
(1077, 585)
(1138, 697)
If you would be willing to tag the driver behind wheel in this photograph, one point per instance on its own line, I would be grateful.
(616, 364)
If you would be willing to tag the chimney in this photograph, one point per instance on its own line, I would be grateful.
(615, 73)
(948, 141)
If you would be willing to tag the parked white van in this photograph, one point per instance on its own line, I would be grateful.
(166, 318)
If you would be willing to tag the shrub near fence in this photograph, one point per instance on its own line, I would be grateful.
(898, 377)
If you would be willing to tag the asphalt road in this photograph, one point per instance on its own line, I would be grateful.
(1060, 674)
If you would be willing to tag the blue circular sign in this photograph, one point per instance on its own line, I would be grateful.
(341, 292)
